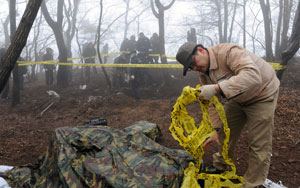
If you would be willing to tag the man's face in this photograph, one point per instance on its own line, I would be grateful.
(200, 61)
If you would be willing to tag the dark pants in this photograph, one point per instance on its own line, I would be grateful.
(49, 77)
(141, 79)
(88, 73)
(21, 79)
(5, 90)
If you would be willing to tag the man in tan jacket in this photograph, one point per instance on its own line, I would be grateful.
(250, 87)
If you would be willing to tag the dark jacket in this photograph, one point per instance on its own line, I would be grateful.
(88, 52)
(22, 69)
(47, 57)
(143, 45)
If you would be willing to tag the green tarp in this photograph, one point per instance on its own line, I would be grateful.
(101, 156)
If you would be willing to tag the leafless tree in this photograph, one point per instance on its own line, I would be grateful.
(218, 16)
(232, 20)
(244, 23)
(159, 13)
(57, 27)
(279, 23)
(71, 14)
(127, 2)
(36, 34)
(265, 7)
(6, 31)
(293, 43)
(285, 9)
(98, 38)
(127, 21)
(18, 41)
(13, 27)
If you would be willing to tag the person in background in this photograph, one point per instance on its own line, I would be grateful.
(124, 45)
(143, 44)
(124, 48)
(250, 86)
(48, 67)
(155, 46)
(119, 73)
(137, 75)
(88, 52)
(22, 72)
(191, 35)
(5, 91)
(105, 53)
(70, 67)
(132, 44)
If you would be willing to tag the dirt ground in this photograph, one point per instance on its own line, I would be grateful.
(25, 130)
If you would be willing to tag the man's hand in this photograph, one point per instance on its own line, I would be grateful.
(207, 92)
(213, 138)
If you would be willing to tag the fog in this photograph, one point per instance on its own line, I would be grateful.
(178, 19)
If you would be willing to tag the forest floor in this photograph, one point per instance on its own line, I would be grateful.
(25, 130)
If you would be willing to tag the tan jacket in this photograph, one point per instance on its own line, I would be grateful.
(241, 75)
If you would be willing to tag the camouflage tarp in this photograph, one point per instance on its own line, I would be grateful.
(100, 156)
(149, 129)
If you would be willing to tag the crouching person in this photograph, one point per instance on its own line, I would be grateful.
(250, 87)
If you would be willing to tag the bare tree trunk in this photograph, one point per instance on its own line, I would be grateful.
(35, 44)
(126, 19)
(225, 20)
(70, 32)
(279, 22)
(16, 86)
(128, 22)
(62, 80)
(287, 9)
(98, 45)
(81, 57)
(18, 41)
(293, 43)
(161, 23)
(232, 21)
(159, 14)
(244, 24)
(220, 25)
(6, 32)
(268, 28)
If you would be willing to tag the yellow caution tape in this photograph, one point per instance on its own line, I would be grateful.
(276, 66)
(107, 65)
(191, 137)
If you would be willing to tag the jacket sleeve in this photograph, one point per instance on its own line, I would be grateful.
(246, 76)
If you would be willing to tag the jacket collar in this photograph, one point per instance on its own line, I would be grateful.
(212, 59)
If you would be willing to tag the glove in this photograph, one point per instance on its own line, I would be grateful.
(207, 92)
